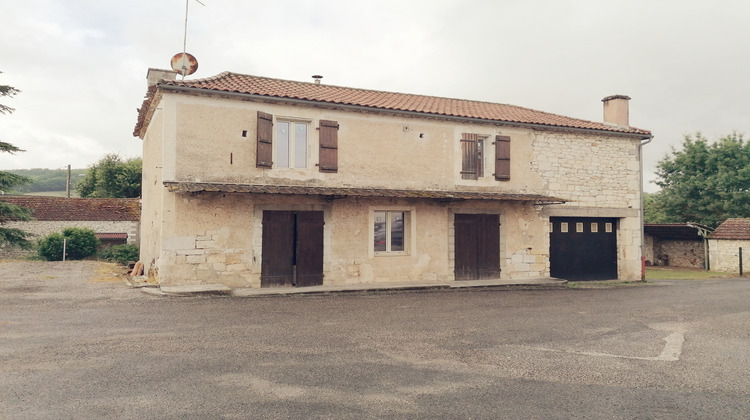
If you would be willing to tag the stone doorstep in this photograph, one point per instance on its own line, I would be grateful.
(540, 283)
(217, 288)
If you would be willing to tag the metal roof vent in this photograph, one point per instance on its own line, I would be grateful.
(317, 78)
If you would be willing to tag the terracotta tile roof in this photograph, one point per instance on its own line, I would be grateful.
(78, 209)
(356, 192)
(732, 229)
(376, 100)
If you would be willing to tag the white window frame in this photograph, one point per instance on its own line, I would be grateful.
(292, 142)
(407, 227)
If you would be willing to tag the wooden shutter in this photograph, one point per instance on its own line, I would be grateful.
(469, 155)
(329, 146)
(502, 158)
(264, 153)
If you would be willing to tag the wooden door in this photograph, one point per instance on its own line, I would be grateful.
(309, 248)
(477, 246)
(292, 249)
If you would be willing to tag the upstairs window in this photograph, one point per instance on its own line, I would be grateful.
(471, 156)
(288, 141)
(473, 147)
(291, 144)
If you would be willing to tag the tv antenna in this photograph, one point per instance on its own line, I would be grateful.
(184, 63)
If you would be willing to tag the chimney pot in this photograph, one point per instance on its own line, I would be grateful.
(317, 78)
(616, 110)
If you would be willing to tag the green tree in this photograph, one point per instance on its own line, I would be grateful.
(11, 212)
(112, 177)
(79, 244)
(703, 182)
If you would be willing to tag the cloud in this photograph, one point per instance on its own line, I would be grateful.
(81, 64)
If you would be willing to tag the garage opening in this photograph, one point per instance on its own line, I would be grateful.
(583, 248)
(292, 249)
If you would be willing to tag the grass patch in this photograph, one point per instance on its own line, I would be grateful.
(678, 273)
(109, 272)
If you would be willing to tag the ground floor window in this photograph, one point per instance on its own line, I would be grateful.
(390, 231)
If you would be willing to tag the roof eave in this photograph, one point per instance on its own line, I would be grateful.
(296, 101)
(340, 192)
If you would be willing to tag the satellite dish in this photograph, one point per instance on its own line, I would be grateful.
(184, 64)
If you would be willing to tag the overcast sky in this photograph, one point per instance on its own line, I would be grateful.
(81, 64)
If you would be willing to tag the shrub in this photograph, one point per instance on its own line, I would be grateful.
(80, 243)
(120, 253)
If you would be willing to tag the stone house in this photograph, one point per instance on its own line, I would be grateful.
(725, 245)
(115, 220)
(258, 182)
(674, 245)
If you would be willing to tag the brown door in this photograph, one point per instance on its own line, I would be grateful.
(292, 249)
(477, 246)
(309, 249)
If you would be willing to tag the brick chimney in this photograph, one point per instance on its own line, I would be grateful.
(616, 110)
(154, 75)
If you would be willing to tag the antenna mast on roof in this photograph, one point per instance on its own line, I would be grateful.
(185, 63)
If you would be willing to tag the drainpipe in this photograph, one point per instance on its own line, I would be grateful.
(642, 213)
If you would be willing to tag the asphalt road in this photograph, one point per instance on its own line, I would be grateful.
(74, 344)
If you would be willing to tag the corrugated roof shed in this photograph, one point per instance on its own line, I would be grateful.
(674, 231)
(737, 229)
(78, 209)
(376, 100)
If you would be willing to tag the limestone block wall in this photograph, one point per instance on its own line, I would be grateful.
(587, 170)
(41, 228)
(723, 255)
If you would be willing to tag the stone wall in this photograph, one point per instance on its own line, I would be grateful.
(674, 253)
(41, 228)
(215, 237)
(588, 170)
(724, 255)
(223, 241)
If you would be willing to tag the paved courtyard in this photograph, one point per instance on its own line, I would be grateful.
(75, 342)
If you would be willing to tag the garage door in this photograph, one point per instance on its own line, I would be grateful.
(583, 248)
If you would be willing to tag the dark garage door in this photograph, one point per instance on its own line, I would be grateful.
(583, 248)
(292, 249)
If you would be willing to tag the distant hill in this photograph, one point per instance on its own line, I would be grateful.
(49, 181)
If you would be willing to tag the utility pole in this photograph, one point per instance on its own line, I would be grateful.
(67, 184)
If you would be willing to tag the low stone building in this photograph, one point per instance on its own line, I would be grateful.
(730, 240)
(258, 182)
(115, 220)
(674, 245)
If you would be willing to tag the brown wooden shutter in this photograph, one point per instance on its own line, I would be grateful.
(264, 153)
(469, 155)
(329, 146)
(502, 158)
